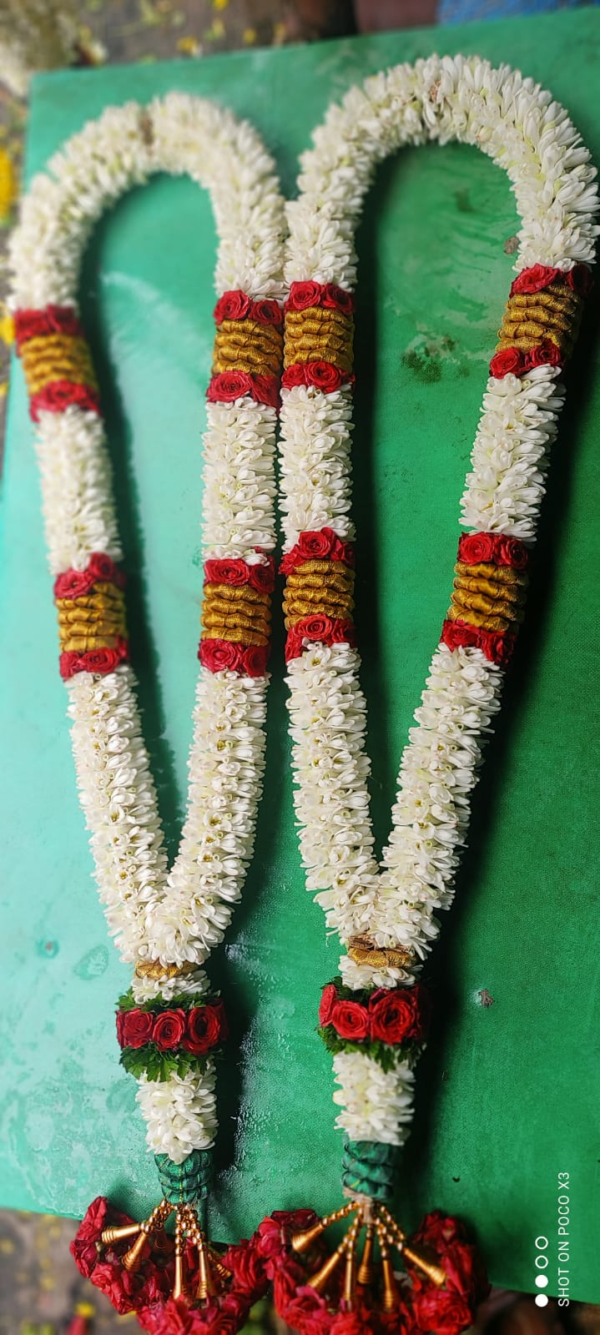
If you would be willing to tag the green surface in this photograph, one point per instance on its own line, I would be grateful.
(508, 1094)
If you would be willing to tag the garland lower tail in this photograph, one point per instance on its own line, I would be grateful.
(162, 1276)
(375, 1279)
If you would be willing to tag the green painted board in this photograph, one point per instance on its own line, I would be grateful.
(508, 1094)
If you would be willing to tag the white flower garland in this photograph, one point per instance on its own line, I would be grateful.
(523, 130)
(156, 914)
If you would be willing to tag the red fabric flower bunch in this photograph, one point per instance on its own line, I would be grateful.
(221, 655)
(495, 548)
(450, 1309)
(31, 323)
(147, 1291)
(75, 583)
(497, 645)
(93, 660)
(227, 386)
(318, 628)
(540, 276)
(319, 374)
(197, 1030)
(389, 1015)
(236, 305)
(236, 572)
(421, 1309)
(308, 293)
(517, 361)
(317, 545)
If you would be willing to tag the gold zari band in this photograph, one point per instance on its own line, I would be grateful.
(364, 951)
(94, 621)
(236, 612)
(318, 334)
(532, 318)
(51, 357)
(492, 600)
(154, 969)
(325, 593)
(247, 345)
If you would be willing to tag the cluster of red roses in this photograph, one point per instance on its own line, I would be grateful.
(517, 361)
(317, 545)
(497, 645)
(93, 660)
(76, 583)
(235, 571)
(147, 1291)
(269, 1258)
(321, 628)
(421, 1307)
(196, 1030)
(31, 323)
(478, 548)
(237, 305)
(389, 1015)
(307, 293)
(227, 386)
(539, 276)
(323, 375)
(217, 655)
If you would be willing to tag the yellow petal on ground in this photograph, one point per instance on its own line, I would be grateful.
(7, 330)
(189, 46)
(249, 36)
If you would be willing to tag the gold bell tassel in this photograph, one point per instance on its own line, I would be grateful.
(365, 1271)
(302, 1241)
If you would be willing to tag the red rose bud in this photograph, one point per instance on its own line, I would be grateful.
(580, 280)
(232, 306)
(350, 1020)
(227, 386)
(219, 655)
(535, 279)
(547, 354)
(303, 295)
(316, 544)
(510, 361)
(261, 575)
(136, 1028)
(324, 376)
(265, 389)
(168, 1029)
(293, 376)
(232, 571)
(206, 1026)
(267, 312)
(328, 1000)
(394, 1015)
(337, 299)
(476, 548)
(511, 552)
(254, 660)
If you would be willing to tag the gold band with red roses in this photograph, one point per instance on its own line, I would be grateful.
(165, 921)
(385, 916)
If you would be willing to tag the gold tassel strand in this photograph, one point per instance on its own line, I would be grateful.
(390, 1294)
(350, 1271)
(178, 1286)
(365, 1270)
(302, 1241)
(434, 1272)
(133, 1258)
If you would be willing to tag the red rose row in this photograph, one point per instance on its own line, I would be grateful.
(197, 1030)
(514, 361)
(227, 386)
(237, 305)
(539, 276)
(31, 323)
(318, 628)
(99, 569)
(498, 646)
(317, 545)
(219, 655)
(94, 660)
(322, 375)
(479, 548)
(235, 571)
(389, 1016)
(303, 295)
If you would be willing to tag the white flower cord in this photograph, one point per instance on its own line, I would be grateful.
(519, 126)
(156, 914)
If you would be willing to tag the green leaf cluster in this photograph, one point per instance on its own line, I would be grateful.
(185, 1002)
(388, 1055)
(157, 1065)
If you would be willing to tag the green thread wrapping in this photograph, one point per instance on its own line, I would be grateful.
(369, 1168)
(187, 1183)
